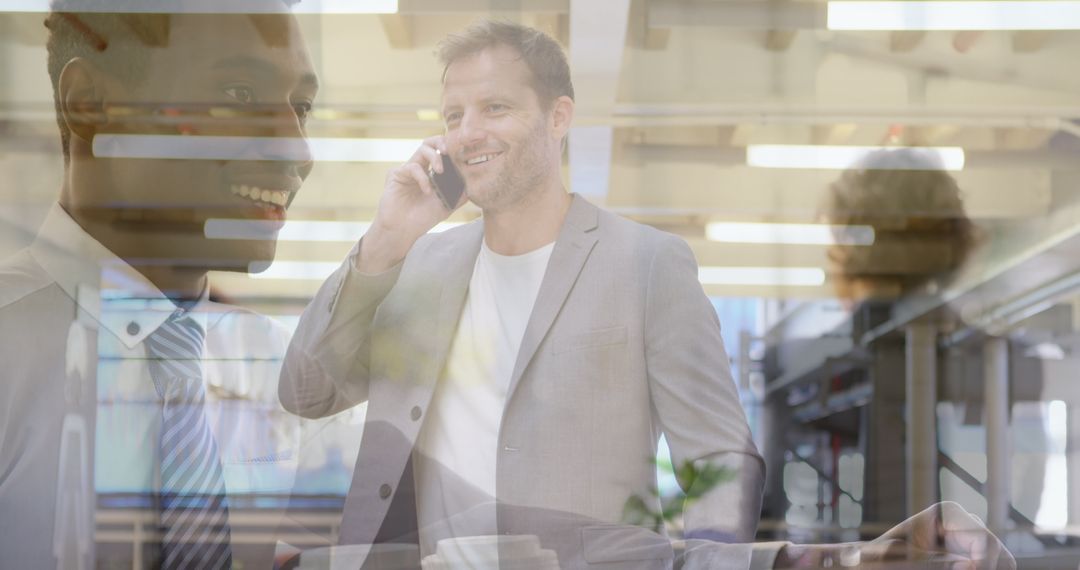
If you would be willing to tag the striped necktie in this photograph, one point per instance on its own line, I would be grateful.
(194, 511)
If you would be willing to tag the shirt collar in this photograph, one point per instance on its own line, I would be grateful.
(104, 287)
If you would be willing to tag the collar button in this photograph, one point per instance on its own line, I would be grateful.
(133, 328)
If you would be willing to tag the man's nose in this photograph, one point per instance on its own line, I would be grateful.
(286, 140)
(471, 130)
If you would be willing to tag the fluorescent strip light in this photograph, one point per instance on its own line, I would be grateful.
(789, 276)
(782, 276)
(429, 115)
(298, 270)
(345, 7)
(224, 228)
(310, 230)
(952, 15)
(296, 230)
(216, 7)
(197, 147)
(363, 150)
(797, 234)
(845, 157)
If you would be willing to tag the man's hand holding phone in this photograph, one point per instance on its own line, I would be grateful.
(409, 207)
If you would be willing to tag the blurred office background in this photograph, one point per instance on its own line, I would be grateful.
(725, 121)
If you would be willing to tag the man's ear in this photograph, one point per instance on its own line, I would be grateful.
(562, 114)
(82, 99)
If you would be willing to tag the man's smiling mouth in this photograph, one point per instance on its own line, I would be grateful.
(259, 195)
(481, 159)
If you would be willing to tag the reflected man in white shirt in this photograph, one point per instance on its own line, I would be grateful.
(133, 409)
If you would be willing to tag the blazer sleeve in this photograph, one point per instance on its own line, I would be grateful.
(326, 367)
(697, 554)
(696, 400)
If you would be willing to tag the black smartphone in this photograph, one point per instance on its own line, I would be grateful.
(449, 184)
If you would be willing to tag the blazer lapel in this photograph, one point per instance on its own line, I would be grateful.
(456, 270)
(572, 247)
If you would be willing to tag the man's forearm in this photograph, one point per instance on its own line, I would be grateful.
(844, 555)
(326, 367)
(381, 251)
(799, 556)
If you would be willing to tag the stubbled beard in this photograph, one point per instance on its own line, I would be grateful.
(517, 182)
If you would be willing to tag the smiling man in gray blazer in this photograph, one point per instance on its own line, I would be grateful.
(617, 343)
(520, 370)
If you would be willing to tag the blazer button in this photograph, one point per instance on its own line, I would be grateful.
(384, 491)
(415, 413)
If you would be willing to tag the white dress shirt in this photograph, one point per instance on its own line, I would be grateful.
(79, 415)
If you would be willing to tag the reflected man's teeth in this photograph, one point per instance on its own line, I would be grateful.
(261, 195)
(479, 159)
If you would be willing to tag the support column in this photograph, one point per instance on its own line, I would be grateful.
(1072, 461)
(921, 442)
(996, 388)
(597, 43)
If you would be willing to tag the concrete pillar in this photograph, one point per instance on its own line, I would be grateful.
(996, 388)
(1072, 463)
(921, 442)
(885, 494)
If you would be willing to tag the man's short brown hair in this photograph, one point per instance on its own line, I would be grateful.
(543, 55)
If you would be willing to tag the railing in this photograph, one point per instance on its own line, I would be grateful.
(139, 528)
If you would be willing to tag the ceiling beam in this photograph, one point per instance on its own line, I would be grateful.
(460, 6)
(1030, 41)
(657, 39)
(1024, 156)
(738, 14)
(930, 135)
(965, 40)
(779, 40)
(398, 29)
(554, 24)
(23, 28)
(780, 36)
(955, 67)
(597, 41)
(1021, 139)
(905, 41)
(640, 35)
(833, 134)
(741, 192)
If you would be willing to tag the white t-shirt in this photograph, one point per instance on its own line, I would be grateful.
(455, 466)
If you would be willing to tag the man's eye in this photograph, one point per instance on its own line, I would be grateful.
(453, 118)
(303, 111)
(496, 107)
(241, 94)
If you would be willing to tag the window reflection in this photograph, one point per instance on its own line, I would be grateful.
(171, 161)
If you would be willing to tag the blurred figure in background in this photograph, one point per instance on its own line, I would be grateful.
(922, 234)
(922, 239)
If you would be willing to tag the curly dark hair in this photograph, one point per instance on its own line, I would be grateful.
(922, 233)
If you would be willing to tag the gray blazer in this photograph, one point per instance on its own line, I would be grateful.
(622, 346)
